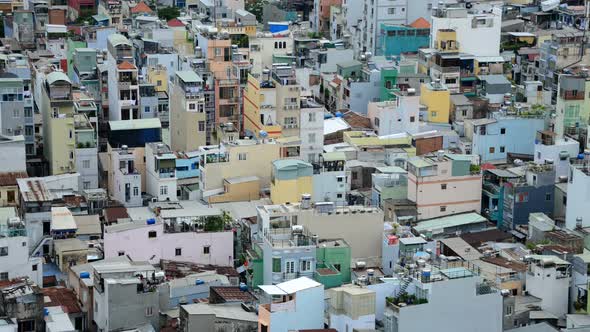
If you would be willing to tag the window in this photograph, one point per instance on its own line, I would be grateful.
(146, 109)
(218, 51)
(149, 311)
(311, 137)
(464, 112)
(492, 149)
(178, 252)
(86, 184)
(16, 113)
(443, 208)
(192, 106)
(276, 264)
(443, 186)
(340, 179)
(159, 82)
(305, 265)
(206, 250)
(290, 267)
(502, 131)
(121, 253)
(502, 149)
(547, 196)
(201, 125)
(34, 267)
(391, 11)
(311, 117)
(71, 155)
(338, 195)
(412, 119)
(152, 234)
(433, 114)
(85, 163)
(163, 190)
(242, 156)
(3, 251)
(135, 191)
(509, 310)
(522, 197)
(3, 276)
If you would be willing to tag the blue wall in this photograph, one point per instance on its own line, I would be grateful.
(187, 168)
(395, 40)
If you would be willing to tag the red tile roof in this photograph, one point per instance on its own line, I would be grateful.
(232, 294)
(114, 213)
(175, 23)
(420, 23)
(9, 179)
(126, 65)
(141, 8)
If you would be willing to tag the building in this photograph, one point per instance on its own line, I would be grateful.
(161, 181)
(431, 178)
(572, 112)
(492, 139)
(9, 188)
(548, 278)
(330, 178)
(328, 221)
(187, 112)
(13, 294)
(184, 232)
(442, 227)
(215, 317)
(577, 188)
(13, 153)
(125, 182)
(123, 84)
(240, 158)
(398, 39)
(351, 307)
(14, 256)
(290, 178)
(389, 182)
(436, 97)
(294, 304)
(551, 149)
(399, 115)
(460, 290)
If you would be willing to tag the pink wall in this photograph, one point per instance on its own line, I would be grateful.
(137, 244)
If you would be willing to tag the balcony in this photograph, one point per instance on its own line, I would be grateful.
(167, 173)
(450, 69)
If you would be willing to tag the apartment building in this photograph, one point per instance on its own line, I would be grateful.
(432, 178)
(351, 307)
(14, 249)
(125, 180)
(548, 278)
(437, 99)
(359, 226)
(187, 112)
(294, 304)
(161, 180)
(290, 178)
(184, 232)
(572, 104)
(123, 87)
(469, 302)
(240, 158)
(577, 191)
(396, 116)
(331, 181)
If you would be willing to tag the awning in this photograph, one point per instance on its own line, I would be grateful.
(272, 290)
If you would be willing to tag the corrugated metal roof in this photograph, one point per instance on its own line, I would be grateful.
(189, 76)
(449, 221)
(57, 76)
(135, 124)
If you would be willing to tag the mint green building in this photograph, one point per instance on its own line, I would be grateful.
(333, 263)
(388, 83)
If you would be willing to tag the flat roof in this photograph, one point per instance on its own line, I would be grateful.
(137, 124)
(462, 248)
(333, 156)
(72, 244)
(290, 287)
(189, 76)
(88, 224)
(449, 221)
(233, 312)
(62, 219)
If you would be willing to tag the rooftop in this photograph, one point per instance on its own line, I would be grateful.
(61, 297)
(449, 221)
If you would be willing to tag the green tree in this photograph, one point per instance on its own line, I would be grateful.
(168, 13)
(256, 7)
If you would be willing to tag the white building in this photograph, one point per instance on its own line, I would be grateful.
(12, 153)
(123, 85)
(397, 116)
(578, 191)
(330, 180)
(311, 131)
(478, 32)
(548, 278)
(296, 304)
(450, 300)
(15, 261)
(550, 149)
(87, 167)
(266, 45)
(377, 12)
(126, 179)
(160, 172)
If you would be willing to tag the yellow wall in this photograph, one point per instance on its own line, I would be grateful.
(244, 191)
(158, 74)
(259, 158)
(61, 145)
(253, 97)
(438, 101)
(283, 191)
(445, 36)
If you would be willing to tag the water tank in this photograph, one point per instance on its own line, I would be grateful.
(198, 52)
(243, 287)
(151, 221)
(160, 275)
(580, 156)
(199, 282)
(425, 274)
(84, 275)
(338, 114)
(305, 201)
(370, 273)
(297, 229)
(361, 265)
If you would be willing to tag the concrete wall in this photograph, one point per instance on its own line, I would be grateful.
(88, 176)
(122, 307)
(137, 245)
(12, 156)
(578, 196)
(18, 263)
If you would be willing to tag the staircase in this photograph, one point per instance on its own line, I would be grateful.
(405, 283)
(38, 249)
